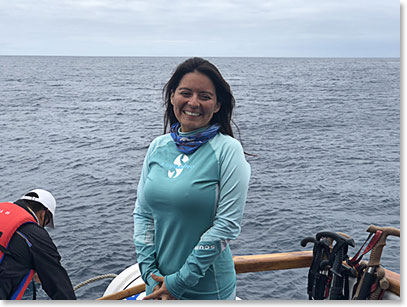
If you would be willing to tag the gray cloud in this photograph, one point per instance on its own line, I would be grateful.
(208, 28)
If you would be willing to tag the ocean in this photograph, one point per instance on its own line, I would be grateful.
(324, 134)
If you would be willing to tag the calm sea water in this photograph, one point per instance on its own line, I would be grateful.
(325, 132)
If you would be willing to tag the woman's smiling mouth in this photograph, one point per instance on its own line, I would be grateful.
(191, 113)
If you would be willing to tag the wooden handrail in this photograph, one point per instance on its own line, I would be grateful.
(272, 262)
(394, 280)
(265, 262)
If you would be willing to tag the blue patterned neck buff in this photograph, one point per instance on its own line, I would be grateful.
(187, 144)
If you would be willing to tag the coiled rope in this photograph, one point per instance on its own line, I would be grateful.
(93, 279)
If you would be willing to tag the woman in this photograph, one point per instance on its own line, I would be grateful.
(192, 191)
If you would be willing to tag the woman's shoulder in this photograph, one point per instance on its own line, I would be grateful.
(159, 141)
(226, 142)
(164, 138)
(229, 151)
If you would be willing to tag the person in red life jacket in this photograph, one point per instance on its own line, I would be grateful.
(27, 249)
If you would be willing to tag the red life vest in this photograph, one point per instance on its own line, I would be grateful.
(12, 217)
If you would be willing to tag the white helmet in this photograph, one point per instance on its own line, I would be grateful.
(46, 199)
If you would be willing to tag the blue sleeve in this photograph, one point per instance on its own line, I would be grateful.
(144, 232)
(233, 186)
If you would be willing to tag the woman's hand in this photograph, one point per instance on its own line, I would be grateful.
(159, 292)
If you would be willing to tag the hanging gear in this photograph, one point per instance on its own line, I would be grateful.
(318, 277)
(340, 280)
(328, 278)
(373, 282)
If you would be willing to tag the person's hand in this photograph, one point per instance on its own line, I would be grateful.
(159, 292)
(156, 288)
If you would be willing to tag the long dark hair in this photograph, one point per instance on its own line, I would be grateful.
(223, 93)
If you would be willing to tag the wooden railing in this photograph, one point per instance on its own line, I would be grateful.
(265, 262)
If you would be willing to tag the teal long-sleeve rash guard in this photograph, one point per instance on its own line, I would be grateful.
(188, 208)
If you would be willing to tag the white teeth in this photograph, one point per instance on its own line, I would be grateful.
(191, 113)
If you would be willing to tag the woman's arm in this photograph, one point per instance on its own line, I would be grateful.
(144, 231)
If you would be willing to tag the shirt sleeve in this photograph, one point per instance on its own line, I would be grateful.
(144, 232)
(46, 262)
(233, 185)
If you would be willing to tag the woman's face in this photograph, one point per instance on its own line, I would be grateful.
(194, 101)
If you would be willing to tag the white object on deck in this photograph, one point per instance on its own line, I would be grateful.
(130, 277)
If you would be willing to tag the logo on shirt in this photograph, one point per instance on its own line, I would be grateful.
(204, 247)
(179, 163)
(4, 212)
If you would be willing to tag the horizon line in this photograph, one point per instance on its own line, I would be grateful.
(209, 56)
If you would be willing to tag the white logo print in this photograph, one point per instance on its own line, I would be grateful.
(178, 162)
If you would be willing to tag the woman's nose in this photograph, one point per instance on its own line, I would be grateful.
(194, 100)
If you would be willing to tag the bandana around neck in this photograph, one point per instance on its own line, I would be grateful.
(187, 144)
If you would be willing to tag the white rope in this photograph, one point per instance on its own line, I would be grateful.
(96, 278)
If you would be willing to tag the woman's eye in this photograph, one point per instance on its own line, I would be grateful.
(185, 94)
(205, 97)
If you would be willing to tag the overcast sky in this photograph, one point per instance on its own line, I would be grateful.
(275, 28)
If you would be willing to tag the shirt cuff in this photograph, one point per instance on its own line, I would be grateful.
(175, 285)
(151, 282)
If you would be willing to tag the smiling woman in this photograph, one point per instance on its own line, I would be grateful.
(202, 80)
(192, 191)
(194, 101)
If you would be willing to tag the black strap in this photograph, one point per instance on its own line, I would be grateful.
(317, 282)
(346, 294)
(34, 290)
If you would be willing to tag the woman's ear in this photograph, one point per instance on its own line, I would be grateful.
(172, 97)
(217, 107)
